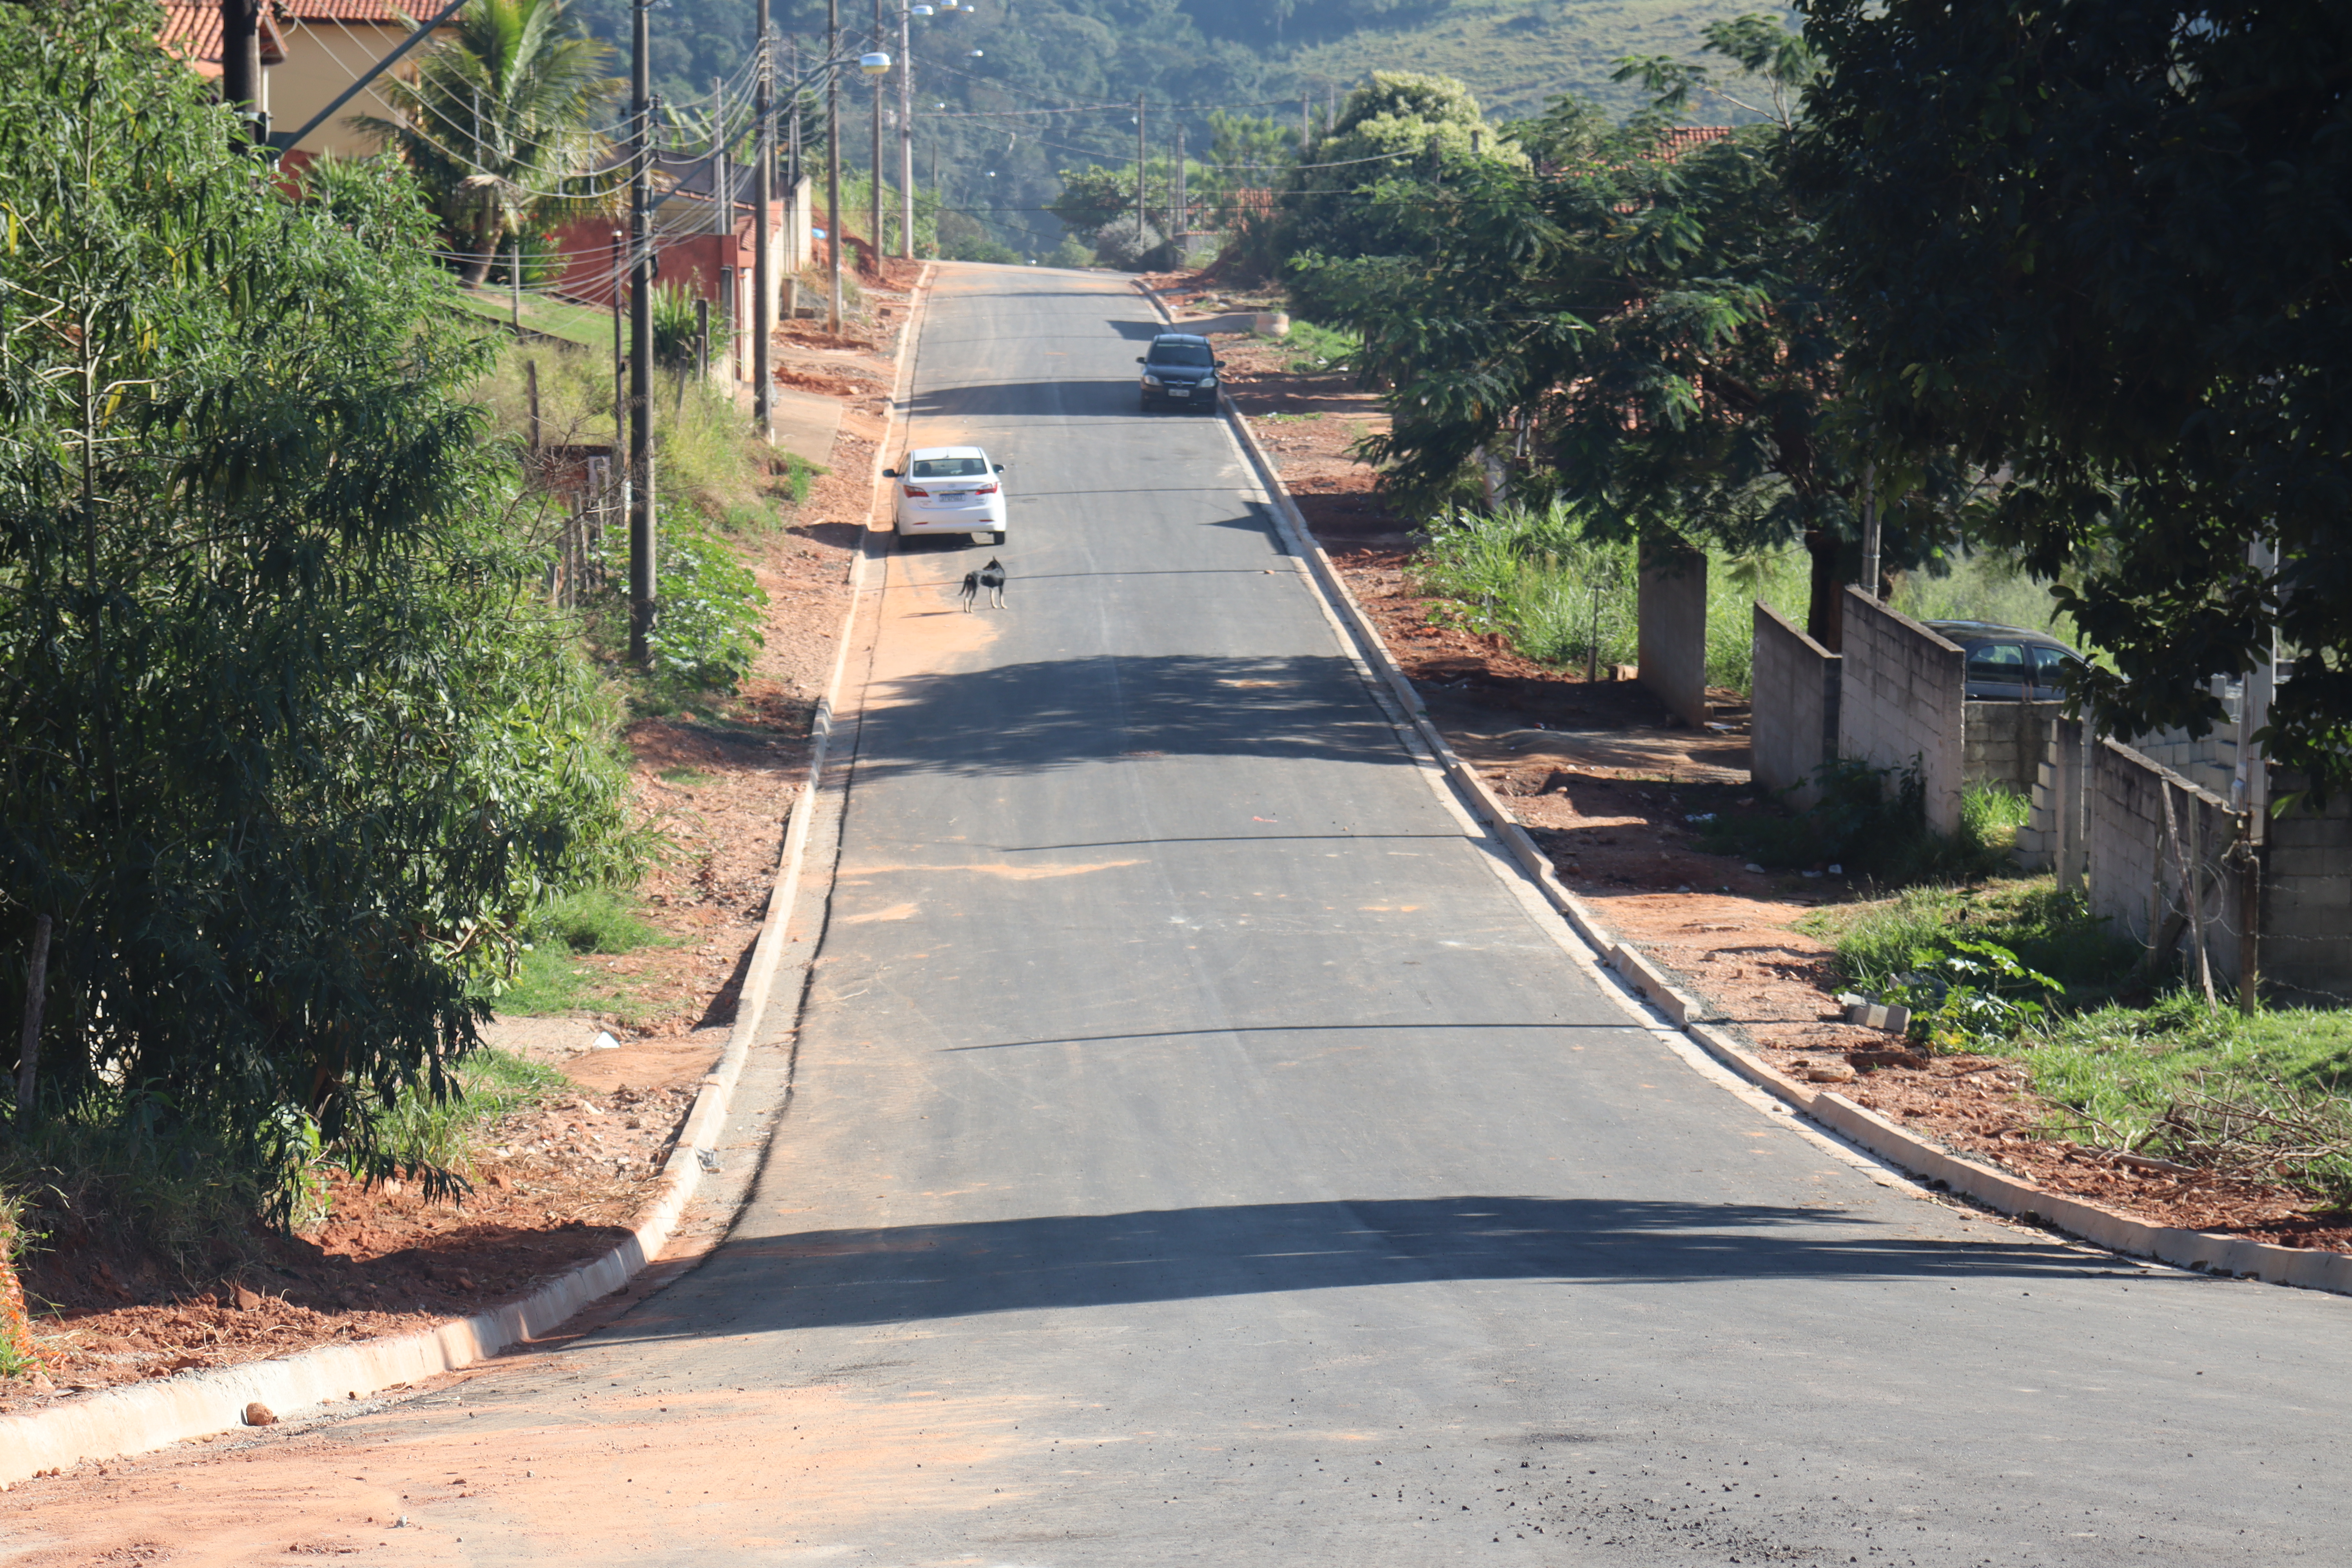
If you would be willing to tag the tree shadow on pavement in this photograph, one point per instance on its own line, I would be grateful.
(910, 1273)
(1051, 713)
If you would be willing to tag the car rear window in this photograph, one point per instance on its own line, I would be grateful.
(1193, 355)
(947, 468)
(1998, 661)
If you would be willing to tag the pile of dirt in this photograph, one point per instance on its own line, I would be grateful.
(808, 381)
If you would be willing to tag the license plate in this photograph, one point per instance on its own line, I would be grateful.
(1178, 392)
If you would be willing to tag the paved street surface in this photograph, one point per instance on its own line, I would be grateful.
(1198, 1153)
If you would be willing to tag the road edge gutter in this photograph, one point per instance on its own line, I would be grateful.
(2201, 1251)
(140, 1418)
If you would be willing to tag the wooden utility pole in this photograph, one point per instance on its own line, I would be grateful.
(1139, 153)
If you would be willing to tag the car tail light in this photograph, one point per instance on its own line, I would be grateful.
(986, 491)
(924, 495)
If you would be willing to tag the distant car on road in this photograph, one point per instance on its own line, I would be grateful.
(1181, 368)
(2009, 664)
(950, 489)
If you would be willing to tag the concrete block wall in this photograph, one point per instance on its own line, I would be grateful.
(2306, 936)
(1901, 699)
(1792, 726)
(2005, 743)
(1671, 601)
(2054, 822)
(2209, 763)
(2135, 878)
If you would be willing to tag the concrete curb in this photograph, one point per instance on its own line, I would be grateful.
(2199, 1250)
(144, 1417)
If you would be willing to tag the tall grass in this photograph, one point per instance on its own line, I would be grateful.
(490, 1083)
(708, 456)
(2049, 931)
(1564, 598)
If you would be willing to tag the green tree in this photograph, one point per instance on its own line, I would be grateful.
(287, 745)
(1648, 326)
(499, 123)
(2104, 251)
(1398, 128)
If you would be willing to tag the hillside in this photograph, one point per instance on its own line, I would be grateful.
(978, 120)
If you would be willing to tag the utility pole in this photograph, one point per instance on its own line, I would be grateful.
(763, 280)
(794, 139)
(1176, 224)
(643, 585)
(1139, 208)
(877, 163)
(1870, 542)
(906, 131)
(833, 160)
(240, 86)
(722, 194)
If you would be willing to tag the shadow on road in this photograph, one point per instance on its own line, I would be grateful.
(901, 1274)
(1053, 713)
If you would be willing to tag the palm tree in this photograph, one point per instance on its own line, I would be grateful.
(499, 123)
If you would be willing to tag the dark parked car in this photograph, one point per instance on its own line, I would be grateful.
(1181, 368)
(2008, 664)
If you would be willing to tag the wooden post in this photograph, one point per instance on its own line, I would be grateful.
(530, 385)
(2194, 905)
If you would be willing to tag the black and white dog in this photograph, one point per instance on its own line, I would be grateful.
(990, 578)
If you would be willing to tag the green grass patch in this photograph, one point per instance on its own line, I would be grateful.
(1312, 350)
(688, 778)
(420, 1133)
(2051, 931)
(582, 325)
(2261, 1098)
(549, 975)
(1568, 599)
(2180, 1080)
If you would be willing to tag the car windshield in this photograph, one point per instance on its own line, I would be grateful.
(1194, 354)
(947, 468)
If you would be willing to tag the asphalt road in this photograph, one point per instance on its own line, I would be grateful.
(1198, 1153)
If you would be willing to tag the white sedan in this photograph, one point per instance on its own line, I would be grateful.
(950, 489)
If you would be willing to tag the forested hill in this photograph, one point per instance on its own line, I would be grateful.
(1186, 56)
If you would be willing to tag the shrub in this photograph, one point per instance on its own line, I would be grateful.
(1966, 996)
(1131, 244)
(291, 742)
(707, 629)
